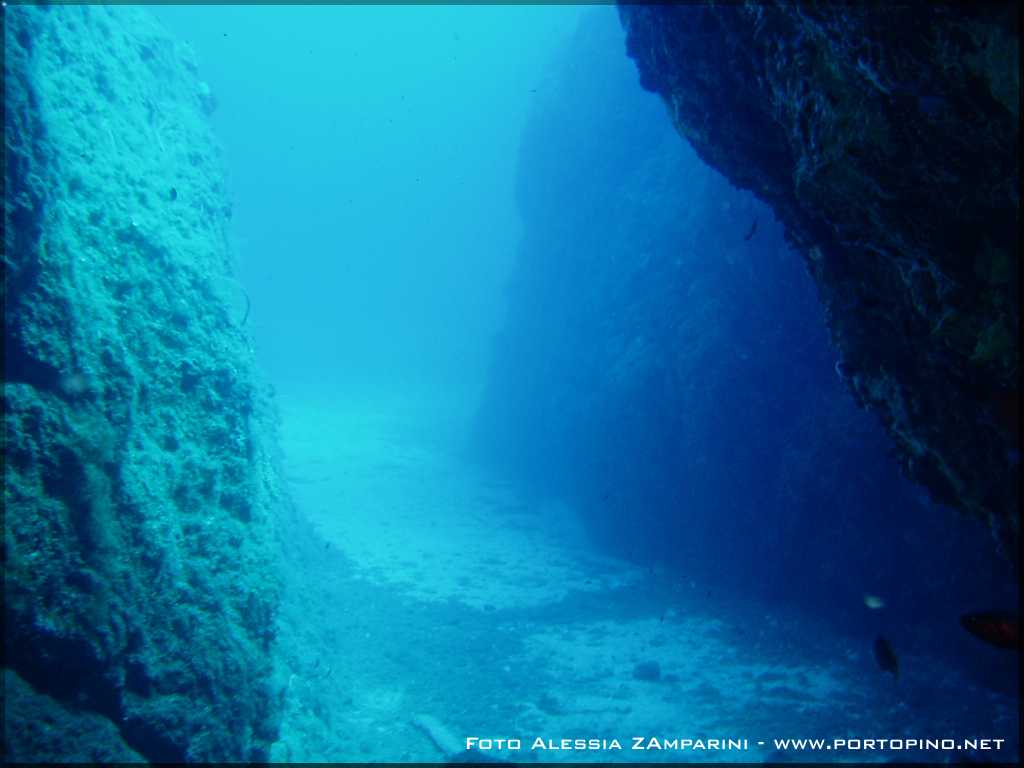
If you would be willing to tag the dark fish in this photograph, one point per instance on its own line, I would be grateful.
(886, 657)
(997, 628)
(751, 231)
(174, 194)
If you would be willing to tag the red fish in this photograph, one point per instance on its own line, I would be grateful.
(997, 628)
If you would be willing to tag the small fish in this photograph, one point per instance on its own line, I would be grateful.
(752, 230)
(173, 194)
(886, 657)
(874, 602)
(997, 628)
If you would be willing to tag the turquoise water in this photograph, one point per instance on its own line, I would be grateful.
(394, 383)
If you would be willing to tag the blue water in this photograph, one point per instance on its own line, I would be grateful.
(480, 260)
(398, 173)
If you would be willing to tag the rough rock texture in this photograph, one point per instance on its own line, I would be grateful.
(886, 140)
(672, 379)
(139, 535)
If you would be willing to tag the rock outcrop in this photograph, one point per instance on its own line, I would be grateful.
(664, 369)
(140, 548)
(886, 139)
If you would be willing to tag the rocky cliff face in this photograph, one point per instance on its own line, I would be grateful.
(139, 539)
(664, 369)
(886, 140)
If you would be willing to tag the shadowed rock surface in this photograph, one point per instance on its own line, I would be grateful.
(139, 535)
(886, 140)
(684, 377)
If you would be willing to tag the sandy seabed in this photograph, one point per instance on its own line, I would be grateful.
(446, 607)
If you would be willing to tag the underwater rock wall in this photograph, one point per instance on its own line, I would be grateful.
(140, 548)
(664, 368)
(886, 139)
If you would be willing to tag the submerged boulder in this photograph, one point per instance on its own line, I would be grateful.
(886, 139)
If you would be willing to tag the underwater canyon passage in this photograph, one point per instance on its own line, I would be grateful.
(643, 502)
